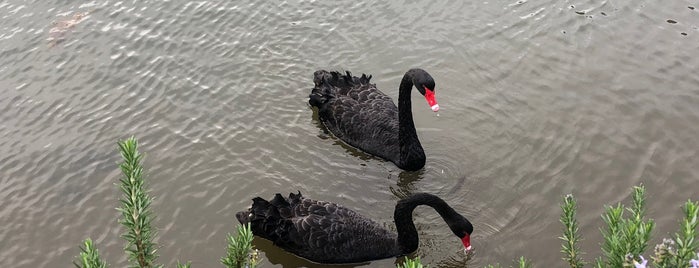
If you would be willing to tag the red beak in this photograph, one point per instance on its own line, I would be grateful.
(466, 240)
(429, 96)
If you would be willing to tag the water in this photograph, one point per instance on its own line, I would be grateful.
(539, 99)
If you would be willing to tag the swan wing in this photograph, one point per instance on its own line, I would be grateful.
(319, 231)
(356, 112)
(332, 233)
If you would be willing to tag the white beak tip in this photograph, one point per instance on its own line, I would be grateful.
(435, 107)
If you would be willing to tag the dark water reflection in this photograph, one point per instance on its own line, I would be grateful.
(538, 99)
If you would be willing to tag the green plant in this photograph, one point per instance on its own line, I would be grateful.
(626, 236)
(411, 263)
(686, 241)
(626, 239)
(521, 263)
(570, 237)
(681, 250)
(240, 253)
(136, 217)
(89, 257)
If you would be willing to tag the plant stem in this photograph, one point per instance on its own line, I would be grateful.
(570, 237)
(135, 208)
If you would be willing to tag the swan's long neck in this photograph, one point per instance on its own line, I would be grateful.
(411, 152)
(407, 240)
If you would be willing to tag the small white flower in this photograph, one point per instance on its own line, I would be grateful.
(642, 264)
(694, 263)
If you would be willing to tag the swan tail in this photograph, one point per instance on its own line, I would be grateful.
(346, 80)
(271, 219)
(327, 83)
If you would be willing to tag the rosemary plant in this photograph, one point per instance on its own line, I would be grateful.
(89, 256)
(411, 263)
(681, 251)
(521, 263)
(570, 237)
(687, 245)
(240, 253)
(136, 216)
(626, 236)
(626, 239)
(186, 265)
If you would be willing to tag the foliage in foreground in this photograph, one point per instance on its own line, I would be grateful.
(240, 252)
(137, 218)
(410, 263)
(625, 239)
(521, 263)
(89, 256)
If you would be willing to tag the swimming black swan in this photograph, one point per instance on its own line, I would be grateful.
(325, 232)
(355, 111)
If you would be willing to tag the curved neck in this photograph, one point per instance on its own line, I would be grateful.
(410, 148)
(407, 240)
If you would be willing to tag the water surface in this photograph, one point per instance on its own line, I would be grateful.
(539, 99)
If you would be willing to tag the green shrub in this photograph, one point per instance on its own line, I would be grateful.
(411, 263)
(240, 252)
(625, 239)
(521, 263)
(136, 217)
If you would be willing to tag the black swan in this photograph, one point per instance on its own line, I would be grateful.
(325, 232)
(355, 111)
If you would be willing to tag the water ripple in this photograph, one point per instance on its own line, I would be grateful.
(539, 99)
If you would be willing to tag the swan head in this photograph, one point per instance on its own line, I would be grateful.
(462, 228)
(424, 83)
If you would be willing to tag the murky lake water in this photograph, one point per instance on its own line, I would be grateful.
(539, 99)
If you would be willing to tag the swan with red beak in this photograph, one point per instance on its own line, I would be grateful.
(358, 113)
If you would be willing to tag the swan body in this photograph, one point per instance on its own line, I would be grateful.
(358, 113)
(326, 232)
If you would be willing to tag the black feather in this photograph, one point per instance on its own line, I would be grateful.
(319, 231)
(325, 232)
(355, 111)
